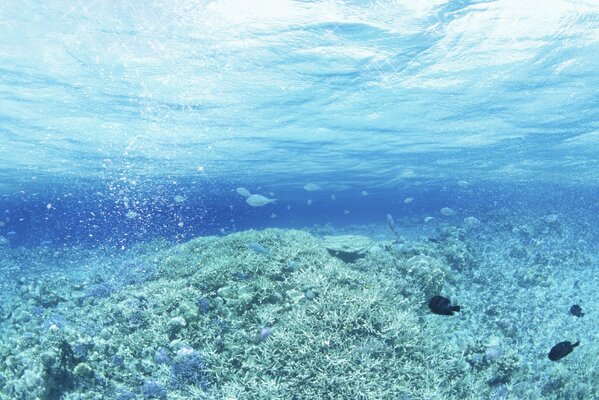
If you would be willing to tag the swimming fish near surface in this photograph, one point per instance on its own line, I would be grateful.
(243, 192)
(310, 187)
(442, 306)
(576, 310)
(561, 350)
(257, 200)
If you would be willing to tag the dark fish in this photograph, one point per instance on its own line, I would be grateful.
(441, 305)
(576, 310)
(561, 350)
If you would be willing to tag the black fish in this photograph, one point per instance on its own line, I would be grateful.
(561, 350)
(441, 305)
(576, 310)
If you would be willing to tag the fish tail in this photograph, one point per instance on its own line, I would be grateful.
(576, 344)
(455, 308)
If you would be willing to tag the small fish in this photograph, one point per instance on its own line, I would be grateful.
(243, 192)
(561, 350)
(442, 306)
(576, 310)
(257, 200)
(391, 224)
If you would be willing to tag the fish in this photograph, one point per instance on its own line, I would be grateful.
(310, 187)
(257, 200)
(561, 350)
(576, 310)
(392, 226)
(243, 192)
(442, 306)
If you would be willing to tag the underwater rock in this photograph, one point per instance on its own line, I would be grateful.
(83, 370)
(188, 310)
(446, 211)
(471, 222)
(426, 276)
(174, 326)
(348, 248)
(295, 295)
(551, 219)
(492, 353)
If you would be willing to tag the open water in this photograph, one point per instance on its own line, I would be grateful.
(393, 150)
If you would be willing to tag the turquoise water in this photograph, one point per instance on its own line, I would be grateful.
(128, 128)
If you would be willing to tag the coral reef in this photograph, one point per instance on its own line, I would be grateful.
(339, 318)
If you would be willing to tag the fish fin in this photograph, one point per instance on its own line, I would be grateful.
(576, 344)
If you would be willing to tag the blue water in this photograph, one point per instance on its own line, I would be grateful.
(100, 102)
(126, 123)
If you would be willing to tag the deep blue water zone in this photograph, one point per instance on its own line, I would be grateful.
(99, 216)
